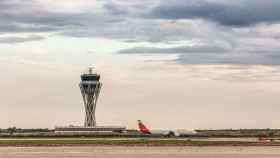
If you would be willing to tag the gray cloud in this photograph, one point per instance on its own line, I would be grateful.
(118, 20)
(124, 21)
(115, 9)
(15, 39)
(173, 50)
(236, 58)
(28, 16)
(213, 55)
(238, 13)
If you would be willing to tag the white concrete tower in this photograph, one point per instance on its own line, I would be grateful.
(90, 87)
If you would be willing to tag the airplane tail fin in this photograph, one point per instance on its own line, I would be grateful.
(143, 129)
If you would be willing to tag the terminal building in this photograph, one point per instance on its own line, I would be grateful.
(95, 129)
(90, 87)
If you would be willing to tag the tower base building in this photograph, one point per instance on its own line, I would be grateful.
(95, 129)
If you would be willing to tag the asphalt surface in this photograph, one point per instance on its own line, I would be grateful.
(140, 152)
(251, 139)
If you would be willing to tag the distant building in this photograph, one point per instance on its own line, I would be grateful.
(94, 129)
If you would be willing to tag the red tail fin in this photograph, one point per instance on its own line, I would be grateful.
(143, 129)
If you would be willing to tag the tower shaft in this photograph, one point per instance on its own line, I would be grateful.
(90, 95)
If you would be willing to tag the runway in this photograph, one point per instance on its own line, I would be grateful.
(245, 139)
(140, 152)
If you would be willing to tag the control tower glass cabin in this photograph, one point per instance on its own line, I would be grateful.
(90, 88)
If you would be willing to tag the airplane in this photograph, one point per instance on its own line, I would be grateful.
(167, 133)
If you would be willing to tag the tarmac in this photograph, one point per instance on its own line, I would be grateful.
(237, 139)
(139, 152)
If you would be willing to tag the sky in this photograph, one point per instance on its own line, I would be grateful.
(196, 64)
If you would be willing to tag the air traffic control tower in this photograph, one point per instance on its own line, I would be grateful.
(90, 88)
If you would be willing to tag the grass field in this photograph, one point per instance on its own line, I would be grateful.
(140, 142)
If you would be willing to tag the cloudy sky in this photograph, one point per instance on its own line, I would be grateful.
(191, 64)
